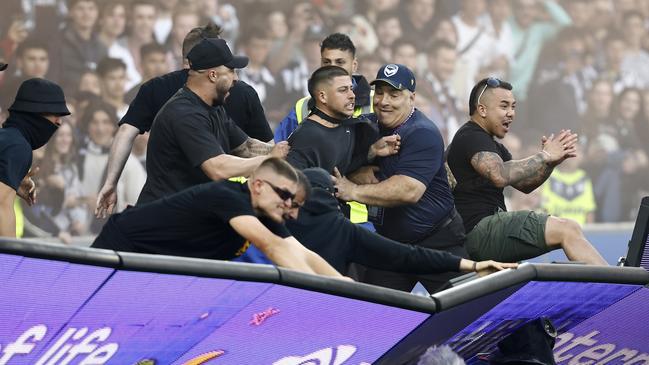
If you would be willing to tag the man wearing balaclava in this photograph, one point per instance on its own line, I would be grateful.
(33, 118)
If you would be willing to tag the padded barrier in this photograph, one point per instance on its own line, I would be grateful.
(217, 269)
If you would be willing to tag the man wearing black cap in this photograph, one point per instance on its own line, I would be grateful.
(321, 227)
(33, 118)
(242, 105)
(411, 199)
(192, 142)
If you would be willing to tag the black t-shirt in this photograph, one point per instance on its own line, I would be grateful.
(242, 105)
(186, 133)
(191, 223)
(344, 147)
(15, 157)
(314, 145)
(476, 197)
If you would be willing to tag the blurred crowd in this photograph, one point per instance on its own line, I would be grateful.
(581, 65)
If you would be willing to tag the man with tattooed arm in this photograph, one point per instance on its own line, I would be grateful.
(483, 167)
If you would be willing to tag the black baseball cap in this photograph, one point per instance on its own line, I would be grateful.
(214, 52)
(398, 76)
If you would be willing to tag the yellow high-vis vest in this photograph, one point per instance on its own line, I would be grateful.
(20, 220)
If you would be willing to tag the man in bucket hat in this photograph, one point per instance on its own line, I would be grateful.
(33, 118)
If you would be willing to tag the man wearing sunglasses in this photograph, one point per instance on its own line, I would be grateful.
(218, 220)
(483, 167)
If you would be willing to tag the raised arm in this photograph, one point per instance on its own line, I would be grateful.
(284, 252)
(529, 173)
(119, 152)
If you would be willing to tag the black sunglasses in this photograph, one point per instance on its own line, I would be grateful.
(282, 193)
(491, 82)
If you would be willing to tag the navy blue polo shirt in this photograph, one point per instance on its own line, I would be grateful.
(421, 157)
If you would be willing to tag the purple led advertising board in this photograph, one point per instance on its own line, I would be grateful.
(593, 319)
(56, 313)
(617, 335)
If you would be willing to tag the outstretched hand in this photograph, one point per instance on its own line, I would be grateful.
(106, 201)
(386, 146)
(27, 188)
(484, 268)
(280, 149)
(561, 147)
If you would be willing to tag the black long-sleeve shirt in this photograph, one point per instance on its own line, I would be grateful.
(322, 228)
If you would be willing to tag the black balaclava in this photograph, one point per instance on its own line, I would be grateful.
(36, 129)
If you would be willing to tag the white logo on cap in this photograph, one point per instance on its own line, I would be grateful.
(390, 70)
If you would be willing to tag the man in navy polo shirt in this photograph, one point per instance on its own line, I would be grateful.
(409, 195)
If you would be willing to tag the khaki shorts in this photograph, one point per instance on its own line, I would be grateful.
(508, 237)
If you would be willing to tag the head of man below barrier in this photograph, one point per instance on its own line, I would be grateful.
(531, 343)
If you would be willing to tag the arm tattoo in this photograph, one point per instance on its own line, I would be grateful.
(540, 173)
(252, 148)
(525, 175)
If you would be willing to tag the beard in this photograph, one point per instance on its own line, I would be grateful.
(219, 99)
(222, 94)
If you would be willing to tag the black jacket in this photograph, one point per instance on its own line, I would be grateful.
(322, 228)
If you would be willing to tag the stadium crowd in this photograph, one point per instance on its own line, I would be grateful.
(581, 65)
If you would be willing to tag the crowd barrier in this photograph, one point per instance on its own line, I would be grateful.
(69, 305)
